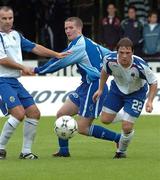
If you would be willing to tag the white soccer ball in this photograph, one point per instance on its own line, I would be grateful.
(65, 127)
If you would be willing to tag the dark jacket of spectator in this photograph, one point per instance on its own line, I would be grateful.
(142, 9)
(110, 32)
(110, 27)
(132, 29)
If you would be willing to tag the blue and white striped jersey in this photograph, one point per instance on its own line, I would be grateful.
(86, 54)
(131, 79)
(11, 45)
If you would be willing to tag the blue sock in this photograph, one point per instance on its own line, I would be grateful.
(103, 133)
(63, 144)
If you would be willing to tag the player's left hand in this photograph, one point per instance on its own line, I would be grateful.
(149, 107)
(96, 95)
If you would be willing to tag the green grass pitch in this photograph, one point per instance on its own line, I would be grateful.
(91, 159)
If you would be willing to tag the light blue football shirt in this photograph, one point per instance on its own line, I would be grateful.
(86, 54)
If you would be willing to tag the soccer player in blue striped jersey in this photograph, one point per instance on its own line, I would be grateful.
(88, 56)
(14, 98)
(128, 89)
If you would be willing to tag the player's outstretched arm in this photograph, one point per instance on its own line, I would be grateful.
(54, 64)
(103, 79)
(45, 52)
(152, 93)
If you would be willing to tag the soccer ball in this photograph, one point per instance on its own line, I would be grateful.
(65, 127)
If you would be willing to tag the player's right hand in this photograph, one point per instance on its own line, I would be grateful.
(96, 95)
(149, 107)
(27, 71)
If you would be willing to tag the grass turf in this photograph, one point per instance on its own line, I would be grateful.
(91, 158)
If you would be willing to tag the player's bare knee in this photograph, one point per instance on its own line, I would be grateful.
(105, 120)
(59, 114)
(19, 115)
(34, 114)
(82, 129)
(18, 112)
(127, 128)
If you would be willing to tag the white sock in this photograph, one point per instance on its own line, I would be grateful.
(7, 131)
(29, 132)
(124, 141)
(119, 116)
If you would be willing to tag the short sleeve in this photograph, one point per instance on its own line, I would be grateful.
(26, 44)
(150, 76)
(106, 65)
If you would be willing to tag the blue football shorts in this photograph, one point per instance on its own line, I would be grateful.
(131, 103)
(82, 97)
(13, 94)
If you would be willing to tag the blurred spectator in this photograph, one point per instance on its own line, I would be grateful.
(132, 28)
(110, 28)
(142, 7)
(44, 14)
(151, 35)
(41, 21)
(25, 17)
(51, 15)
(158, 10)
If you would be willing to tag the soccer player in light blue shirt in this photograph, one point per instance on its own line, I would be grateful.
(14, 98)
(88, 56)
(128, 90)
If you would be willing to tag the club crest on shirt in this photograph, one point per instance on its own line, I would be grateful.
(133, 74)
(14, 38)
(12, 99)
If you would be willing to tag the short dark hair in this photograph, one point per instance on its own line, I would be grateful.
(152, 12)
(77, 20)
(132, 7)
(111, 3)
(125, 42)
(6, 8)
